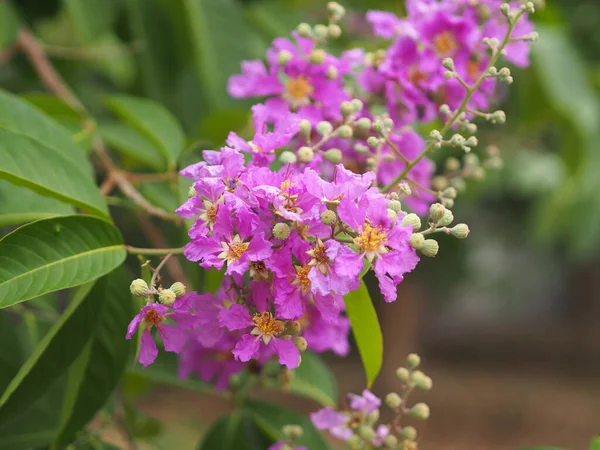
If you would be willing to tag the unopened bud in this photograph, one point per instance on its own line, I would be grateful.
(430, 248)
(320, 31)
(363, 124)
(446, 219)
(403, 374)
(304, 30)
(283, 57)
(354, 442)
(498, 117)
(419, 411)
(409, 433)
(345, 131)
(412, 361)
(436, 212)
(460, 231)
(324, 128)
(445, 110)
(472, 141)
(373, 141)
(300, 343)
(505, 8)
(318, 56)
(358, 105)
(334, 31)
(332, 73)
(139, 288)
(281, 231)
(333, 155)
(452, 164)
(288, 157)
(449, 74)
(367, 433)
(336, 10)
(448, 202)
(305, 127)
(390, 441)
(293, 327)
(392, 214)
(292, 431)
(361, 148)
(448, 63)
(395, 205)
(413, 220)
(393, 400)
(167, 297)
(328, 217)
(417, 240)
(305, 154)
(179, 288)
(457, 140)
(404, 189)
(449, 192)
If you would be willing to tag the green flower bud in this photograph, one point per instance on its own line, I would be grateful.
(191, 192)
(332, 73)
(392, 214)
(419, 411)
(367, 433)
(412, 361)
(445, 110)
(505, 8)
(167, 297)
(360, 148)
(328, 217)
(305, 127)
(372, 418)
(403, 374)
(404, 189)
(304, 30)
(320, 31)
(305, 154)
(346, 108)
(179, 288)
(333, 155)
(413, 220)
(358, 105)
(292, 431)
(448, 74)
(300, 343)
(460, 231)
(498, 117)
(395, 205)
(372, 141)
(354, 442)
(363, 124)
(139, 288)
(334, 31)
(446, 219)
(409, 433)
(417, 378)
(448, 63)
(390, 441)
(288, 157)
(457, 140)
(388, 123)
(293, 327)
(472, 141)
(281, 231)
(449, 192)
(317, 56)
(345, 131)
(283, 57)
(417, 241)
(452, 164)
(436, 212)
(430, 247)
(324, 128)
(336, 10)
(393, 400)
(448, 202)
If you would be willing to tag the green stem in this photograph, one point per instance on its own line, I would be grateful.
(463, 106)
(153, 251)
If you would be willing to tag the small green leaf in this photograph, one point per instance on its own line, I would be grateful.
(366, 330)
(53, 355)
(314, 380)
(154, 121)
(134, 144)
(57, 253)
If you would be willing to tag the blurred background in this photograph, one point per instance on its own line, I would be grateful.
(506, 322)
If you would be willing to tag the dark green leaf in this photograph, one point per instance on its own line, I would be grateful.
(314, 380)
(134, 144)
(9, 25)
(92, 18)
(235, 431)
(366, 330)
(101, 367)
(154, 121)
(57, 253)
(595, 444)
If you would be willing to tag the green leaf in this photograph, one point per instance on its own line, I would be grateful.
(314, 380)
(20, 205)
(9, 25)
(101, 367)
(366, 330)
(271, 418)
(57, 253)
(134, 144)
(233, 432)
(595, 444)
(154, 121)
(92, 18)
(53, 355)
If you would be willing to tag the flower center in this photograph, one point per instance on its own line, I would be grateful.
(259, 271)
(234, 250)
(211, 213)
(267, 324)
(298, 90)
(152, 318)
(370, 239)
(445, 44)
(302, 280)
(320, 258)
(415, 76)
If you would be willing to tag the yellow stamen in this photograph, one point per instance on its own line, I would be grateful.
(266, 326)
(298, 90)
(371, 241)
(320, 258)
(152, 318)
(234, 250)
(445, 44)
(302, 280)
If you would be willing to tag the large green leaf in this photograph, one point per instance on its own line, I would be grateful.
(154, 121)
(92, 18)
(133, 144)
(595, 444)
(53, 355)
(271, 418)
(57, 253)
(235, 431)
(314, 380)
(20, 205)
(366, 330)
(100, 368)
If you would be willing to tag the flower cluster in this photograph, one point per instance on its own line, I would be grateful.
(296, 215)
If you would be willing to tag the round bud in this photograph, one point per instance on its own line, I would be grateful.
(372, 141)
(452, 164)
(363, 124)
(191, 192)
(293, 327)
(392, 214)
(345, 131)
(404, 189)
(179, 288)
(292, 431)
(388, 123)
(358, 105)
(320, 31)
(471, 128)
(300, 343)
(305, 154)
(498, 117)
(354, 442)
(409, 433)
(333, 155)
(371, 162)
(436, 135)
(460, 231)
(360, 148)
(457, 140)
(472, 141)
(412, 361)
(439, 182)
(324, 128)
(430, 247)
(332, 73)
(334, 31)
(304, 30)
(328, 217)
(318, 56)
(413, 220)
(448, 63)
(167, 297)
(305, 127)
(403, 374)
(139, 288)
(448, 202)
(449, 192)
(395, 205)
(419, 411)
(334, 8)
(281, 231)
(436, 212)
(445, 110)
(283, 57)
(390, 441)
(367, 433)
(446, 219)
(417, 378)
(448, 74)
(393, 400)
(288, 157)
(505, 8)
(417, 240)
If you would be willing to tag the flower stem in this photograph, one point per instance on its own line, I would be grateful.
(153, 251)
